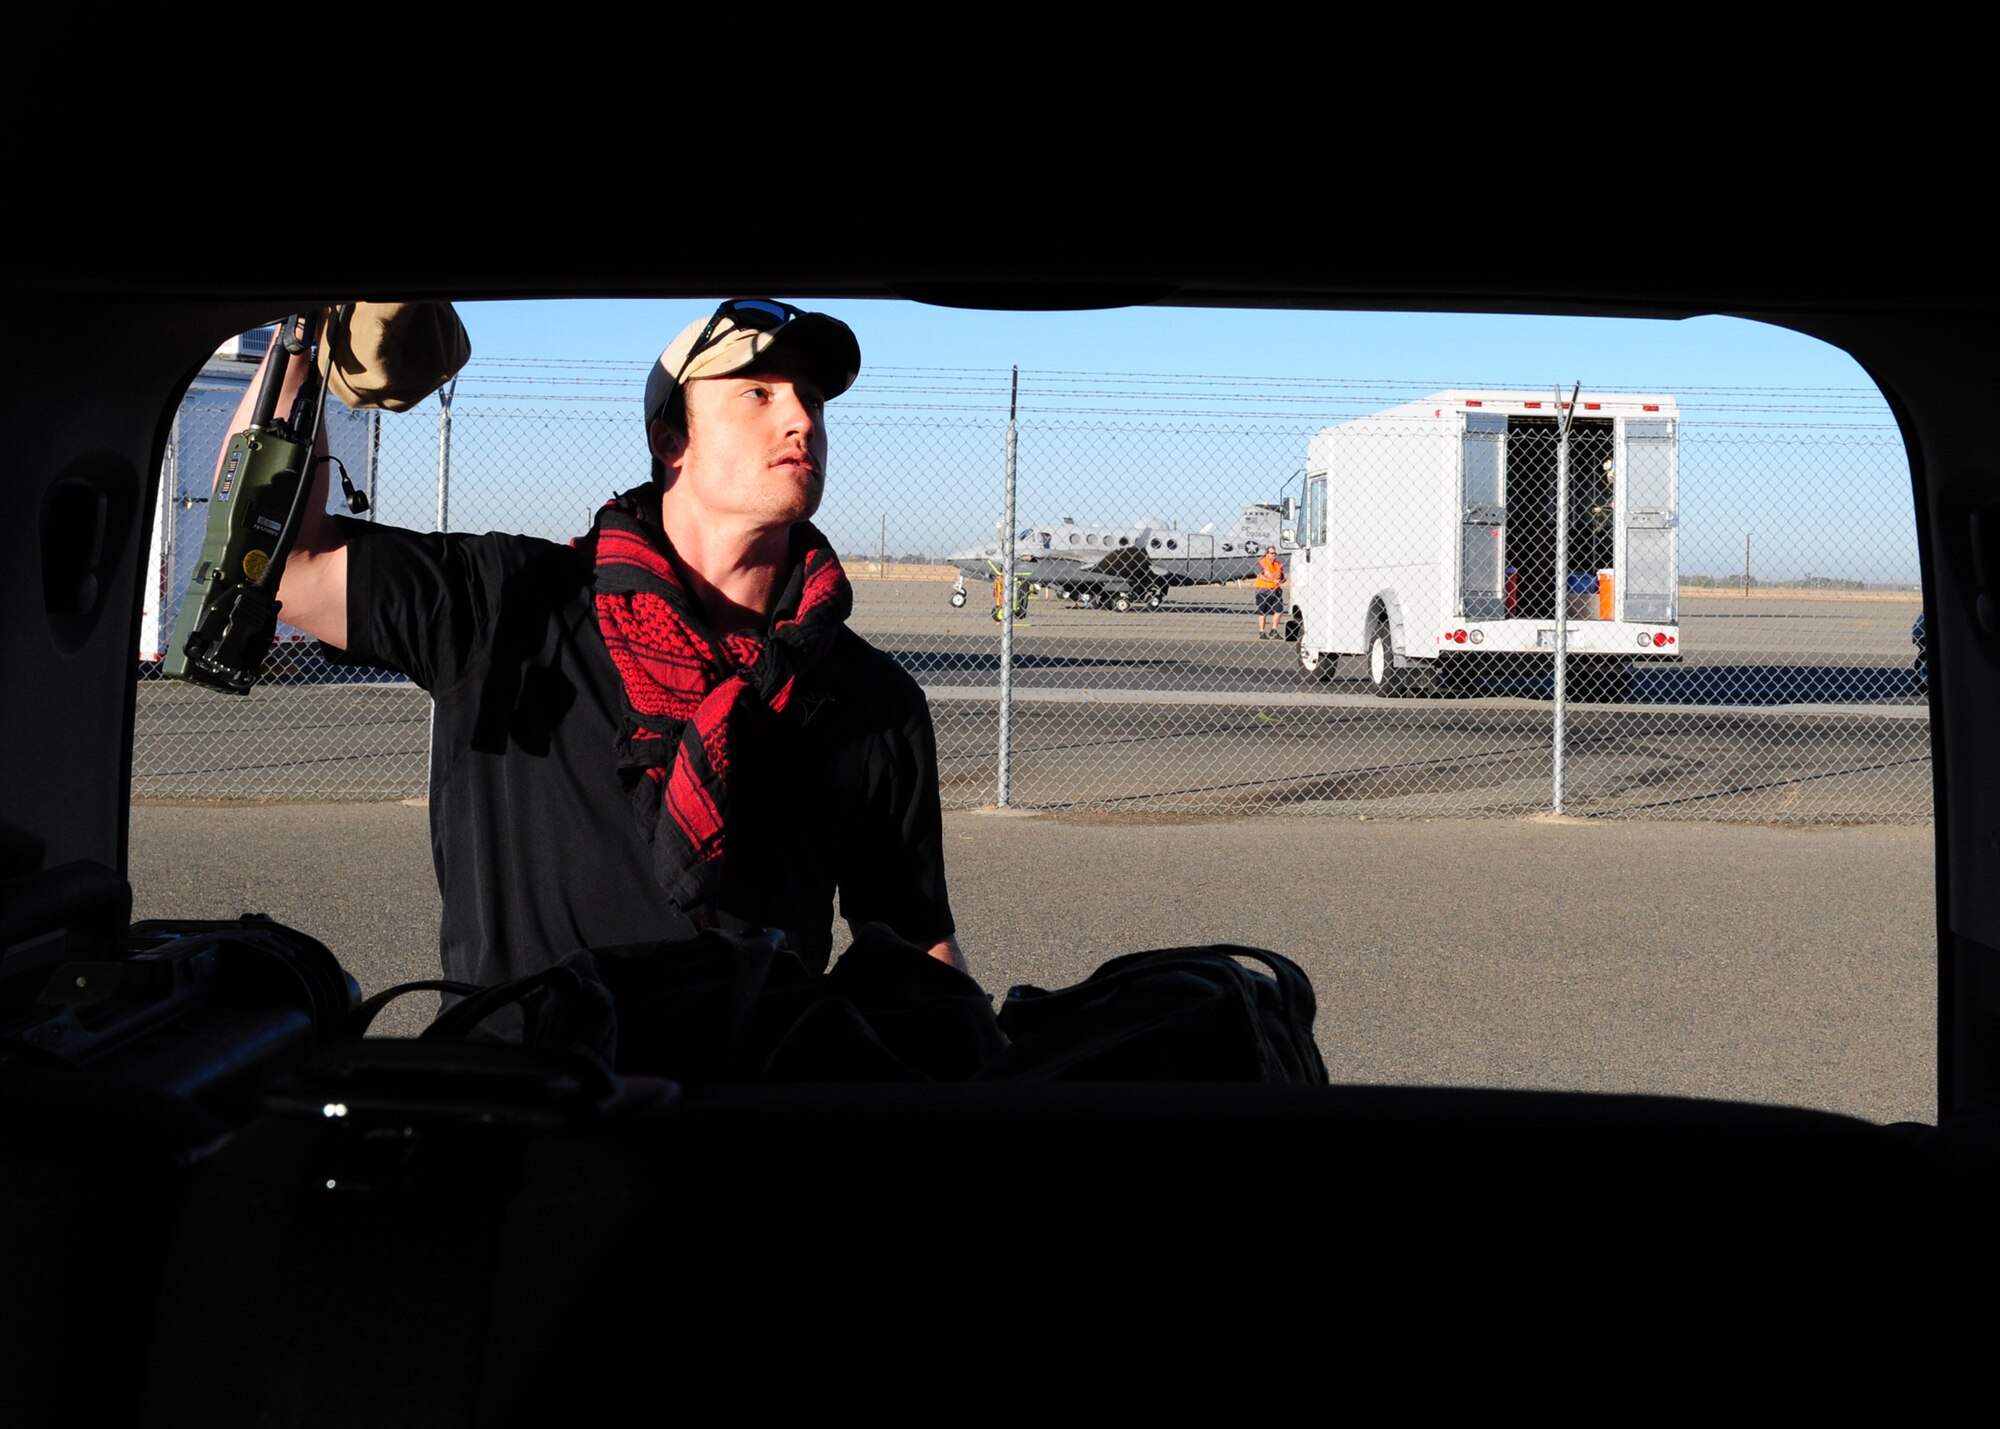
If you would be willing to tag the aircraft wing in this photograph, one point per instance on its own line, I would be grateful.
(1126, 563)
(980, 566)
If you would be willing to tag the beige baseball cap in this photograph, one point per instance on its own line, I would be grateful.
(392, 355)
(744, 331)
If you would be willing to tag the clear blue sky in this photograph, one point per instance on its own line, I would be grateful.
(1786, 414)
(1461, 349)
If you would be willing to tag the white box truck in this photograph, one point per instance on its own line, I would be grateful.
(1427, 541)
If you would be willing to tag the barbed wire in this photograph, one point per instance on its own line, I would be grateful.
(1002, 374)
(1304, 401)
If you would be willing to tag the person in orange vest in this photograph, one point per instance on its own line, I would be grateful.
(1270, 596)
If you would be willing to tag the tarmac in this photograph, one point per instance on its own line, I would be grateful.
(1788, 965)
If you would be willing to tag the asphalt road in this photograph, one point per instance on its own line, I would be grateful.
(1783, 965)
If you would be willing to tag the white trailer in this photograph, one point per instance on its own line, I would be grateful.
(1427, 541)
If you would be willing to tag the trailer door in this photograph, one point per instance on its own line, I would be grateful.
(1482, 539)
(1646, 590)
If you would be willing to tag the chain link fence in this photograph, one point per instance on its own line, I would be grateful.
(1761, 545)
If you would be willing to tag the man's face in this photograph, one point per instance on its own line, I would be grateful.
(755, 452)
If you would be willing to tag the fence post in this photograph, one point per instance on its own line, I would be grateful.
(1566, 410)
(444, 455)
(443, 524)
(1007, 602)
(167, 508)
(374, 463)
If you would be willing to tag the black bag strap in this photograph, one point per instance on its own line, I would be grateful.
(364, 1014)
(1289, 1005)
(458, 1020)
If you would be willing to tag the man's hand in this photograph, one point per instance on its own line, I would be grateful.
(948, 952)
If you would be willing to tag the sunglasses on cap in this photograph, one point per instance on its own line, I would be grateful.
(757, 313)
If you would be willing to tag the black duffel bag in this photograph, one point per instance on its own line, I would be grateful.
(1172, 1014)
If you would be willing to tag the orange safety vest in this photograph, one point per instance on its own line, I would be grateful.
(1270, 571)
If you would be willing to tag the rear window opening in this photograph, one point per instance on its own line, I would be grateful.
(1218, 764)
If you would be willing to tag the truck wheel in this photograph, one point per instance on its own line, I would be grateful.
(1382, 673)
(1121, 602)
(1317, 664)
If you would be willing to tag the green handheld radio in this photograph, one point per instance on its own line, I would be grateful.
(228, 618)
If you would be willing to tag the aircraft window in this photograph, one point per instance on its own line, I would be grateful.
(1124, 540)
(1091, 539)
(1156, 543)
(1173, 545)
(1026, 534)
(1230, 546)
(1074, 539)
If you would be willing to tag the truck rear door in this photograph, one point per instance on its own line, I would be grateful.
(1646, 587)
(1482, 540)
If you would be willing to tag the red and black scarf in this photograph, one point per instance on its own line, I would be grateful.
(685, 687)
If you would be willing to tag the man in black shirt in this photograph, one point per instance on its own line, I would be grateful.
(666, 724)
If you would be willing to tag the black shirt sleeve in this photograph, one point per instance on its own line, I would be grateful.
(428, 603)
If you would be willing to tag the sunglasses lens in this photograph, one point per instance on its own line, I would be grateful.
(760, 315)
